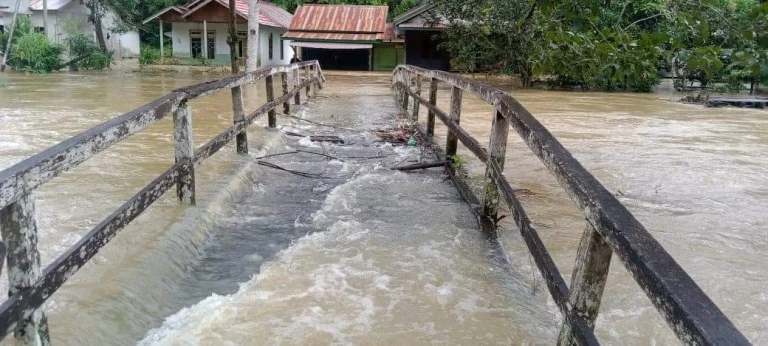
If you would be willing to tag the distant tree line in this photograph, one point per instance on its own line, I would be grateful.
(611, 44)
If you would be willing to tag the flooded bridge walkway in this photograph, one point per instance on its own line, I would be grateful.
(326, 241)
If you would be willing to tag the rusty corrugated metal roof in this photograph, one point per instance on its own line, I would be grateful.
(330, 36)
(339, 22)
(389, 32)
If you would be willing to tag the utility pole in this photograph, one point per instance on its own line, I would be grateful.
(7, 51)
(252, 60)
(45, 17)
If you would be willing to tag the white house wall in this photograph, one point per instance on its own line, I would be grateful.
(181, 40)
(182, 47)
(7, 17)
(74, 18)
(264, 32)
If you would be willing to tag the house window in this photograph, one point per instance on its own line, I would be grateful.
(196, 43)
(282, 50)
(211, 44)
(2, 28)
(196, 47)
(271, 48)
(242, 44)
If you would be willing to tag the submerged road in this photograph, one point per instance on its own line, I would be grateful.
(342, 249)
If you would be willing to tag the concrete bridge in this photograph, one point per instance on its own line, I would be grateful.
(609, 228)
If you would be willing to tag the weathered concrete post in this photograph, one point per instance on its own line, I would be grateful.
(318, 75)
(406, 80)
(284, 82)
(296, 82)
(416, 103)
(183, 149)
(432, 101)
(308, 76)
(396, 79)
(452, 144)
(593, 260)
(18, 227)
(497, 150)
(270, 86)
(238, 115)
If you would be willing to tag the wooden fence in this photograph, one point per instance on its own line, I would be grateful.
(610, 227)
(29, 286)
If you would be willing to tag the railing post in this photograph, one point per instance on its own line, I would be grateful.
(307, 76)
(451, 145)
(416, 103)
(238, 116)
(497, 150)
(396, 79)
(317, 75)
(433, 102)
(405, 79)
(183, 150)
(296, 83)
(593, 260)
(270, 86)
(18, 227)
(284, 82)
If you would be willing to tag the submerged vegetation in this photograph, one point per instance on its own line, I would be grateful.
(86, 53)
(611, 44)
(32, 51)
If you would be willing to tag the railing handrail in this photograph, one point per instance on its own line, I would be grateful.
(17, 220)
(686, 308)
(38, 169)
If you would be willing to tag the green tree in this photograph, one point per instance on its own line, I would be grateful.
(610, 44)
(86, 53)
(32, 51)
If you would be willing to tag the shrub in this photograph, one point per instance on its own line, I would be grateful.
(80, 45)
(202, 61)
(35, 53)
(149, 55)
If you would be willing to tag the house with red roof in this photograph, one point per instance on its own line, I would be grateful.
(199, 29)
(346, 37)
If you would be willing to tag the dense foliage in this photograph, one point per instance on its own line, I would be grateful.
(611, 44)
(149, 55)
(32, 51)
(87, 53)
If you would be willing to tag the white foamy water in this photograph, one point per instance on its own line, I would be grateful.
(395, 261)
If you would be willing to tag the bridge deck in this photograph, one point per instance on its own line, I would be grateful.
(360, 231)
(372, 221)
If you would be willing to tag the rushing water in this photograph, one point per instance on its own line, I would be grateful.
(365, 255)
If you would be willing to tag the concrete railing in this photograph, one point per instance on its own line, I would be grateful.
(30, 286)
(610, 227)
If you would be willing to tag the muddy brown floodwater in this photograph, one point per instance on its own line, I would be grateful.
(695, 177)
